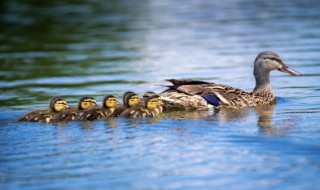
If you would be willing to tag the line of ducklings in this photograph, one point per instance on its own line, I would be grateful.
(88, 110)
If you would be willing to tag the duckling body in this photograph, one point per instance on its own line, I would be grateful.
(72, 114)
(57, 104)
(200, 95)
(152, 107)
(109, 102)
(31, 114)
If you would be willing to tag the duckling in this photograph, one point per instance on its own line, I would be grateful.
(109, 102)
(56, 105)
(130, 99)
(149, 94)
(152, 107)
(200, 95)
(72, 114)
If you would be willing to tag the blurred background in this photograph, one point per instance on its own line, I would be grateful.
(92, 47)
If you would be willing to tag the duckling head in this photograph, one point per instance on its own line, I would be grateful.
(153, 102)
(86, 103)
(125, 96)
(57, 104)
(109, 101)
(268, 61)
(131, 100)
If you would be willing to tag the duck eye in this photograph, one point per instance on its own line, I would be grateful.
(274, 59)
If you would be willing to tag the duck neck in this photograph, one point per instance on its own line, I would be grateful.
(262, 82)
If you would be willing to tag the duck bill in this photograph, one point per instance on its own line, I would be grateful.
(290, 71)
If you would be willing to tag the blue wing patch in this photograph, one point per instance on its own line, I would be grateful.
(212, 99)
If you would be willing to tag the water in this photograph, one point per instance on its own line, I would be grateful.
(77, 48)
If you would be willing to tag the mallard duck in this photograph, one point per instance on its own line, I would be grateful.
(130, 99)
(56, 105)
(109, 102)
(72, 114)
(200, 95)
(152, 107)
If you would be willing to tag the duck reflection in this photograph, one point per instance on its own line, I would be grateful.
(264, 113)
(264, 118)
(111, 122)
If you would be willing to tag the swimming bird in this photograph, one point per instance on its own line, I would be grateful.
(130, 99)
(152, 107)
(56, 105)
(72, 114)
(200, 95)
(108, 107)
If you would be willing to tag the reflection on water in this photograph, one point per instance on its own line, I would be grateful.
(78, 48)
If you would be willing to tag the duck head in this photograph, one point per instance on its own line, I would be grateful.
(268, 61)
(57, 104)
(109, 101)
(86, 103)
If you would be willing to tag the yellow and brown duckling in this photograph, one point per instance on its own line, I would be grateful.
(130, 100)
(152, 107)
(109, 105)
(72, 114)
(57, 104)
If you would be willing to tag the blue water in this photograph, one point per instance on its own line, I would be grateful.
(78, 48)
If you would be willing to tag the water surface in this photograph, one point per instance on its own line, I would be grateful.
(78, 48)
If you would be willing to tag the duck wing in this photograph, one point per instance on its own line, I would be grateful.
(185, 81)
(215, 94)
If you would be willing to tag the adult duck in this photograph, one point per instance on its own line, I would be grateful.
(200, 95)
